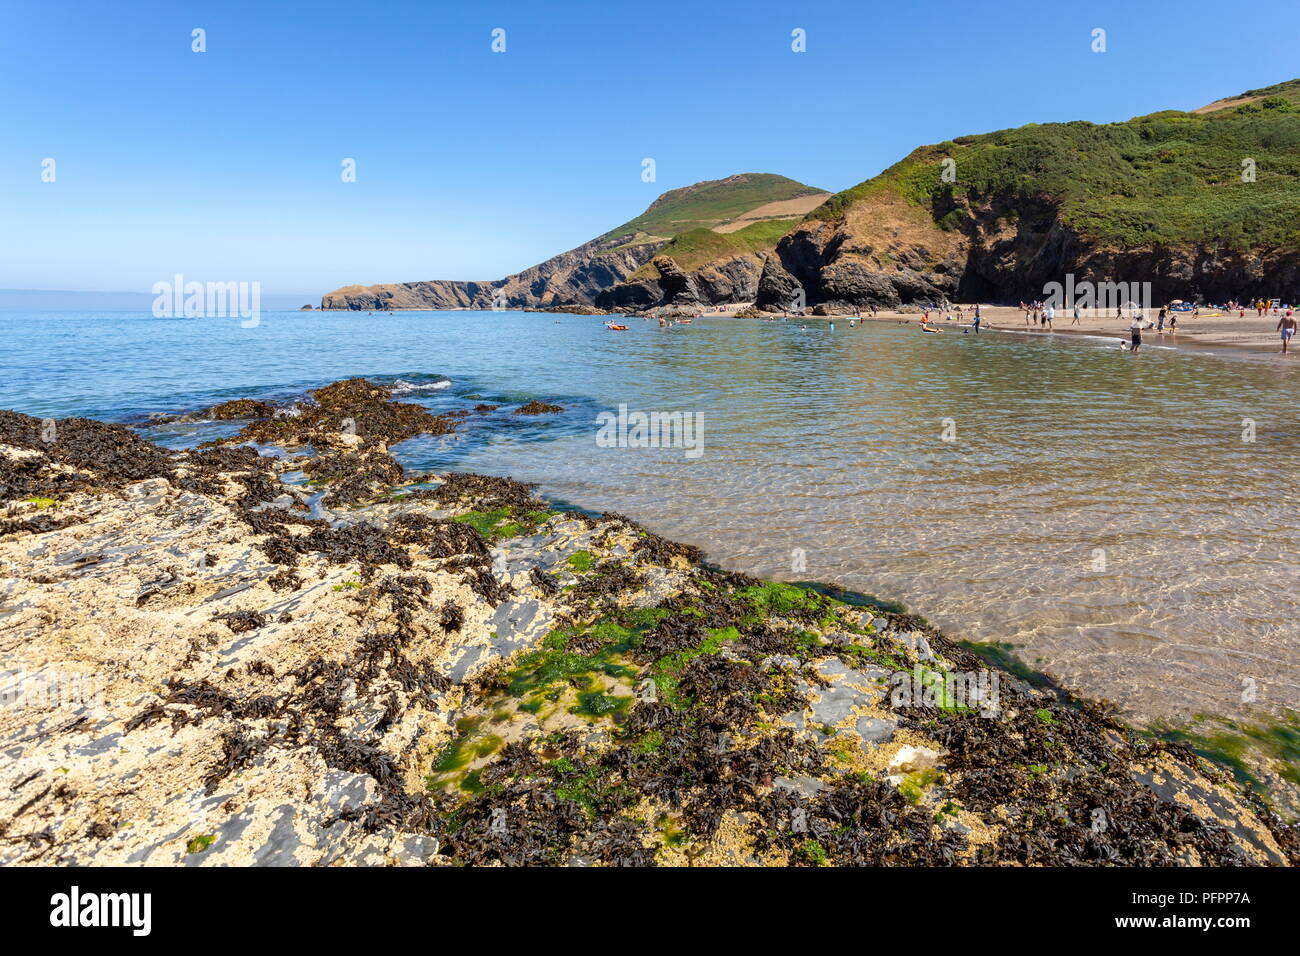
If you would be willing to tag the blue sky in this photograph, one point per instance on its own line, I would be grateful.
(225, 165)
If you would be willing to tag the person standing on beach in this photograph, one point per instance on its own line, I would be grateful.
(977, 319)
(1135, 333)
(1048, 314)
(1286, 325)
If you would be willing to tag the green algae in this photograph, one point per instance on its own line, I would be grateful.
(776, 599)
(649, 742)
(582, 561)
(499, 524)
(595, 704)
(863, 654)
(467, 746)
(913, 786)
(200, 843)
(553, 663)
(1002, 655)
(667, 671)
(1240, 747)
(812, 853)
(590, 787)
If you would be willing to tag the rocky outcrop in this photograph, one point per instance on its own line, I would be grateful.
(778, 290)
(887, 253)
(573, 277)
(207, 664)
(579, 276)
(734, 279)
(670, 287)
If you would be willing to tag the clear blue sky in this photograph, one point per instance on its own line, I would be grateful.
(225, 165)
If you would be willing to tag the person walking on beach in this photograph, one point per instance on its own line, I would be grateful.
(1286, 325)
(1076, 314)
(1135, 333)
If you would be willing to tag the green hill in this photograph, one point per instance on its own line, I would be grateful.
(711, 203)
(1170, 178)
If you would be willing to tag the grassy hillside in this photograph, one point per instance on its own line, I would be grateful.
(695, 248)
(710, 203)
(1170, 178)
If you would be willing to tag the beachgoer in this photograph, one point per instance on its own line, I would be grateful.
(1286, 325)
(1135, 333)
(977, 319)
(1076, 314)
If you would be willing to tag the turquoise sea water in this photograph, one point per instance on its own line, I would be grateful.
(1104, 512)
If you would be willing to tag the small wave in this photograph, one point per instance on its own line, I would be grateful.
(402, 387)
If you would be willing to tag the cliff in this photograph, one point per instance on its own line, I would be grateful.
(734, 204)
(1201, 205)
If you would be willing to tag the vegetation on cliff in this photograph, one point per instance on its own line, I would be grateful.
(1228, 177)
(710, 203)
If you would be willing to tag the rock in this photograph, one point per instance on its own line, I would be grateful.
(778, 290)
(910, 759)
(874, 730)
(805, 786)
(953, 825)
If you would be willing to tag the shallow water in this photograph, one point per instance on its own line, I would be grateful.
(1099, 509)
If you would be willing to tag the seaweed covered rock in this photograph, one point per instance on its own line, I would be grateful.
(207, 668)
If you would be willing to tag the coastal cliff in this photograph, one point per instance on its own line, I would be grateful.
(214, 663)
(572, 277)
(1202, 205)
(579, 276)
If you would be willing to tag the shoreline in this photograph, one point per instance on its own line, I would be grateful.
(1249, 335)
(385, 667)
(1252, 335)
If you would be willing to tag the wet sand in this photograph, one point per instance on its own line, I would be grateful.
(1211, 327)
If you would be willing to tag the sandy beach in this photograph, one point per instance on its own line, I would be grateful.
(1211, 327)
